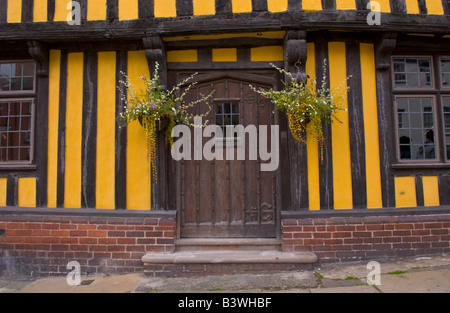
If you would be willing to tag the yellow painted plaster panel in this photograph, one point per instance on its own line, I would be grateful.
(312, 144)
(204, 7)
(61, 11)
(342, 176)
(435, 7)
(412, 6)
(128, 10)
(182, 56)
(74, 114)
(96, 10)
(53, 122)
(165, 8)
(106, 125)
(138, 173)
(270, 53)
(277, 5)
(385, 6)
(405, 192)
(345, 4)
(241, 6)
(14, 14)
(27, 192)
(40, 11)
(430, 190)
(312, 5)
(224, 55)
(368, 81)
(3, 188)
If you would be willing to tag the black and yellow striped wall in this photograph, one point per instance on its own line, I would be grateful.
(84, 159)
(17, 11)
(91, 162)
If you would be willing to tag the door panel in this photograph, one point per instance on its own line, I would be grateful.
(228, 198)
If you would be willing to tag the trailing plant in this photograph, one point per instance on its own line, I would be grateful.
(157, 108)
(305, 104)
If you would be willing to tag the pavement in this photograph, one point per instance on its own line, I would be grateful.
(408, 275)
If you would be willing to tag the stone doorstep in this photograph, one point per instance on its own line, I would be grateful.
(197, 244)
(230, 257)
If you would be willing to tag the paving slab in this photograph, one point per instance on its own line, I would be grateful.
(425, 262)
(348, 289)
(419, 275)
(432, 281)
(99, 284)
(12, 286)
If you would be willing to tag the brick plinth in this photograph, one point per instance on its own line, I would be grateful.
(353, 238)
(42, 245)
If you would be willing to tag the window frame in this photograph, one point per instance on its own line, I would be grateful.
(441, 83)
(33, 114)
(227, 142)
(14, 93)
(22, 95)
(415, 89)
(437, 93)
(436, 136)
(447, 158)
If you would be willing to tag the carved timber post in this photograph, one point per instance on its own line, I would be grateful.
(296, 178)
(40, 54)
(155, 52)
(295, 55)
(385, 44)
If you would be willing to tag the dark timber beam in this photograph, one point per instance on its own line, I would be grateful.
(295, 54)
(155, 52)
(345, 20)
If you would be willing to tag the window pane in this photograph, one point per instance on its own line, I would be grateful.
(5, 69)
(416, 128)
(28, 69)
(446, 107)
(219, 120)
(17, 76)
(4, 84)
(15, 130)
(227, 115)
(412, 73)
(445, 70)
(28, 83)
(235, 108)
(227, 108)
(16, 83)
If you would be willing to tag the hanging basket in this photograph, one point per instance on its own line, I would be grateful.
(160, 126)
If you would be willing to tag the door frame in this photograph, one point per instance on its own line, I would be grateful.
(271, 78)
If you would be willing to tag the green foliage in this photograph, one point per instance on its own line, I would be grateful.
(155, 106)
(305, 105)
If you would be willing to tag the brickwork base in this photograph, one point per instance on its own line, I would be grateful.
(343, 239)
(36, 246)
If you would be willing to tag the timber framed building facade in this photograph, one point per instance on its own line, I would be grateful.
(74, 184)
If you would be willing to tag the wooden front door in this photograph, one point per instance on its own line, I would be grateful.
(228, 198)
